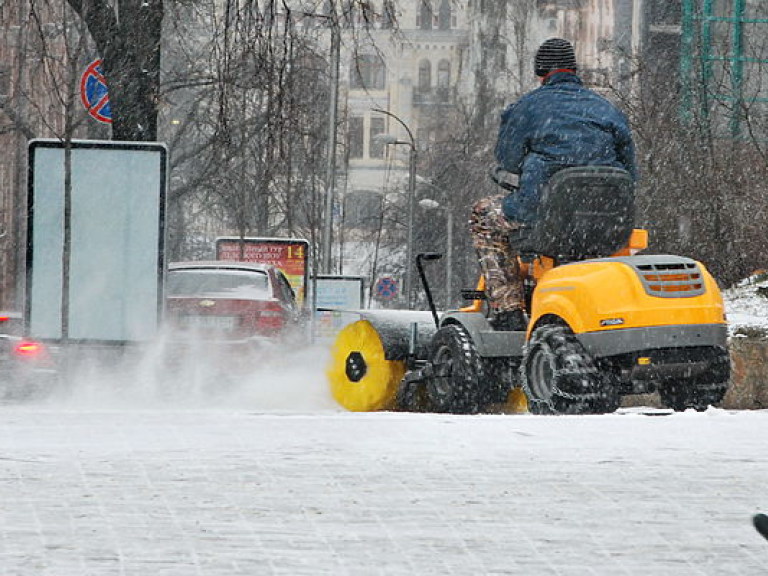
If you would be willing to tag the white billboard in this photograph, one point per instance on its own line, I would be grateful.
(95, 255)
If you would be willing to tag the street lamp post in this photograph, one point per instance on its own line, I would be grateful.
(430, 204)
(335, 57)
(411, 203)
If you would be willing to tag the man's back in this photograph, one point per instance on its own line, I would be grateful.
(560, 124)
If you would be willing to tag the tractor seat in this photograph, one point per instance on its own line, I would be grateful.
(585, 212)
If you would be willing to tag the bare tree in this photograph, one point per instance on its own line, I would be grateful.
(41, 101)
(127, 36)
(702, 192)
(247, 88)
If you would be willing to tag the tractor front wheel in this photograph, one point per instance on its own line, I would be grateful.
(458, 384)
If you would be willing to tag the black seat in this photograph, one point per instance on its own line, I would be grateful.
(585, 212)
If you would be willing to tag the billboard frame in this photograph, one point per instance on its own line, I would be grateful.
(36, 145)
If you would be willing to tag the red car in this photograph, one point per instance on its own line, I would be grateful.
(230, 301)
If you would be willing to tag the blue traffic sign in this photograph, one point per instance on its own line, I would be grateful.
(94, 94)
(386, 288)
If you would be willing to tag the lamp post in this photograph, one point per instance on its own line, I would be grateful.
(429, 204)
(330, 176)
(411, 200)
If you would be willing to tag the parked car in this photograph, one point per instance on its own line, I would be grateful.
(227, 301)
(27, 367)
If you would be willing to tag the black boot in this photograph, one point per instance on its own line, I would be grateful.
(510, 320)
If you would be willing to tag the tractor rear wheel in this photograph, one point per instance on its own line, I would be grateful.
(458, 384)
(699, 393)
(683, 395)
(560, 377)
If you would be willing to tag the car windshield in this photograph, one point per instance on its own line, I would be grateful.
(217, 282)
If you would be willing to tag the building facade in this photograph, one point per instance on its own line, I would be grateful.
(408, 68)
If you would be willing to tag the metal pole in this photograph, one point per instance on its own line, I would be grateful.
(737, 66)
(411, 201)
(19, 194)
(409, 242)
(331, 159)
(449, 261)
(686, 60)
(705, 56)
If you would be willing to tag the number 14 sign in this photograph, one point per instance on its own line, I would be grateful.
(289, 254)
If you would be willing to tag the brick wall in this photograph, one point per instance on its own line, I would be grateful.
(749, 372)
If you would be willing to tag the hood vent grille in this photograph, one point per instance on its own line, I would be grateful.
(672, 279)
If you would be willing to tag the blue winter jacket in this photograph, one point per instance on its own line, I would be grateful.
(558, 125)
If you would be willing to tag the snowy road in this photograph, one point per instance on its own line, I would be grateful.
(116, 477)
(226, 491)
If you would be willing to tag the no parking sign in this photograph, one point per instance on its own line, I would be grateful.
(94, 94)
(386, 288)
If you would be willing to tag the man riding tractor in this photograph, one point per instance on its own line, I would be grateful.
(578, 319)
(559, 125)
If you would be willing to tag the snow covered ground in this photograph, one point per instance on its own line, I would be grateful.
(269, 476)
(248, 491)
(747, 304)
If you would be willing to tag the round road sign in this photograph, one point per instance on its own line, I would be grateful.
(94, 94)
(386, 288)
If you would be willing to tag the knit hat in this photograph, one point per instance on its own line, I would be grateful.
(554, 54)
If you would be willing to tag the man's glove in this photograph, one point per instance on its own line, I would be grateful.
(505, 179)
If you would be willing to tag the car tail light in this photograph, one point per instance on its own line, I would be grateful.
(270, 318)
(29, 349)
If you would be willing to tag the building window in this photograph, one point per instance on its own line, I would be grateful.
(355, 137)
(362, 209)
(375, 145)
(444, 15)
(389, 16)
(368, 73)
(664, 12)
(425, 15)
(424, 139)
(425, 75)
(443, 74)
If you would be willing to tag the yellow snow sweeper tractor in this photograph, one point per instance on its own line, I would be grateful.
(604, 322)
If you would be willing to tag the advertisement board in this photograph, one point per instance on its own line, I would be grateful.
(337, 297)
(95, 248)
(340, 292)
(291, 255)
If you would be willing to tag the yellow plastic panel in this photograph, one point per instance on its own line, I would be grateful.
(594, 296)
